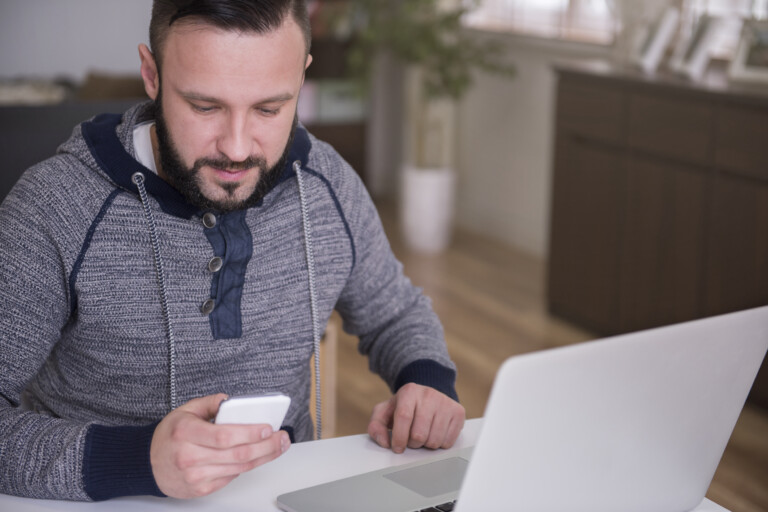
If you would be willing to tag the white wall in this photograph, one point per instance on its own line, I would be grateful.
(506, 135)
(51, 38)
(505, 141)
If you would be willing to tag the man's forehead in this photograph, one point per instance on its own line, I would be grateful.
(191, 25)
(208, 63)
(196, 37)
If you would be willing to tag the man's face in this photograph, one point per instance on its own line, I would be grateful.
(227, 109)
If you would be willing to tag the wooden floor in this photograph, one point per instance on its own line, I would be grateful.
(490, 298)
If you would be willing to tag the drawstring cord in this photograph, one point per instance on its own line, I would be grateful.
(312, 296)
(138, 180)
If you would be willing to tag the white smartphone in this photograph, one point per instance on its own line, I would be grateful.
(267, 409)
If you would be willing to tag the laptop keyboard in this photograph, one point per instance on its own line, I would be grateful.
(445, 507)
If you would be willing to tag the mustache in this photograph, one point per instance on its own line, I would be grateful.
(230, 165)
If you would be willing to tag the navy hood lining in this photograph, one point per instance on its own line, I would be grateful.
(100, 134)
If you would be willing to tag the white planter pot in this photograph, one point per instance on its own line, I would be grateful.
(426, 204)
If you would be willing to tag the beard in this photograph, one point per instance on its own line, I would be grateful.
(188, 181)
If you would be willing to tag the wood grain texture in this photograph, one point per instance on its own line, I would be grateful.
(491, 300)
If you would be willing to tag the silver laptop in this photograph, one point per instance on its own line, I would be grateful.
(636, 422)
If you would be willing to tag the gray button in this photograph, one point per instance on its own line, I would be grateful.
(209, 220)
(207, 307)
(215, 264)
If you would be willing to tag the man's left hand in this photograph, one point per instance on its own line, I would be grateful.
(419, 416)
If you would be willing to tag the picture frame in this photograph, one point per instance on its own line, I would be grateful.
(691, 55)
(653, 40)
(750, 63)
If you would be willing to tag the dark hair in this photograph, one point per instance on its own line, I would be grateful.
(260, 16)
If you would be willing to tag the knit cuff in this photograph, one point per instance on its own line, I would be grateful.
(429, 373)
(116, 462)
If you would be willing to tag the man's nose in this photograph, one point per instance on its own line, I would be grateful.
(235, 141)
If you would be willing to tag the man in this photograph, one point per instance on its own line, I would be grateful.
(191, 249)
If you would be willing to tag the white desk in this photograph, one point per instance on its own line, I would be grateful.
(305, 464)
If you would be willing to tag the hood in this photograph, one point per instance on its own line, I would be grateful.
(105, 144)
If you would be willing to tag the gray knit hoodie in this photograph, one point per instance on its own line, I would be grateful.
(105, 325)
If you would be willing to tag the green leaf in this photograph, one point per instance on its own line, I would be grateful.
(420, 32)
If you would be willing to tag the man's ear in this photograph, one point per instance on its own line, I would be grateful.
(306, 66)
(149, 73)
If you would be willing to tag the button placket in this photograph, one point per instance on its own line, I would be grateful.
(214, 264)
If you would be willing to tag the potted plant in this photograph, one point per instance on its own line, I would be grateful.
(440, 56)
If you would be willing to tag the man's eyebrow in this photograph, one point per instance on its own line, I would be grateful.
(278, 98)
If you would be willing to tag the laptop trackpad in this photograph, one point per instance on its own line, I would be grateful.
(433, 479)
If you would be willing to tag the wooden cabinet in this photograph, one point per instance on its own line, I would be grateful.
(659, 200)
(662, 240)
(593, 188)
(742, 132)
(737, 245)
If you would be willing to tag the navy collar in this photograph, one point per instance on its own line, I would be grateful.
(100, 135)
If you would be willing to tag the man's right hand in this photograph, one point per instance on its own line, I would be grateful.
(193, 457)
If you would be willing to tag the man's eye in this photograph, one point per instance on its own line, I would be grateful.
(269, 111)
(203, 110)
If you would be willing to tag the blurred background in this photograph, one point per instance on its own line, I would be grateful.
(604, 170)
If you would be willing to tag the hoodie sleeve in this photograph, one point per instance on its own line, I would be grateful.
(398, 329)
(41, 455)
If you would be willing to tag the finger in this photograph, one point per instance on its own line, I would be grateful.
(204, 480)
(204, 407)
(381, 419)
(241, 454)
(204, 433)
(438, 433)
(402, 420)
(285, 443)
(454, 429)
(422, 425)
(278, 444)
(201, 480)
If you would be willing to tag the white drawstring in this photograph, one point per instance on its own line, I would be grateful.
(138, 179)
(312, 296)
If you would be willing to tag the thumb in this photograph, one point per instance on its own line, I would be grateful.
(204, 407)
(381, 420)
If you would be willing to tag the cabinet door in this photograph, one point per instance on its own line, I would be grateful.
(742, 132)
(663, 240)
(591, 109)
(585, 228)
(671, 125)
(737, 248)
